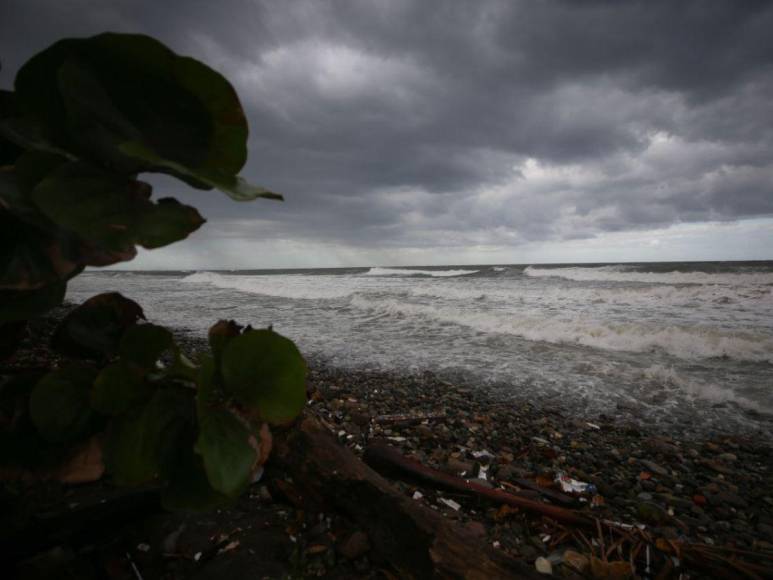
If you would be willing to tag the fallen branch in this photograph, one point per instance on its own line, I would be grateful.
(391, 463)
(415, 540)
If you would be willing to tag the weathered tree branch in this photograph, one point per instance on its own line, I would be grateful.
(418, 542)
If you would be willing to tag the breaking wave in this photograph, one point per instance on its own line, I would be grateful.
(627, 274)
(686, 342)
(281, 286)
(669, 378)
(407, 272)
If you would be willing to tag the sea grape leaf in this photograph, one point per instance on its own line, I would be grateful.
(220, 333)
(94, 329)
(111, 211)
(30, 257)
(24, 304)
(266, 373)
(132, 84)
(11, 335)
(95, 204)
(59, 404)
(118, 388)
(189, 488)
(232, 185)
(206, 387)
(182, 367)
(144, 444)
(167, 221)
(143, 344)
(9, 106)
(223, 444)
(33, 166)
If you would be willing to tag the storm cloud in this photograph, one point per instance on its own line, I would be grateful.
(396, 126)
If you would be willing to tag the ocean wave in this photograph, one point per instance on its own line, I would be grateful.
(407, 272)
(686, 342)
(669, 378)
(629, 274)
(292, 286)
(656, 296)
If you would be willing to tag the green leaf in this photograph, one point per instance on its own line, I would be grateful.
(94, 92)
(94, 329)
(11, 335)
(147, 443)
(118, 388)
(166, 222)
(234, 186)
(111, 211)
(189, 488)
(220, 333)
(206, 393)
(143, 344)
(30, 257)
(224, 446)
(266, 373)
(182, 367)
(26, 304)
(59, 404)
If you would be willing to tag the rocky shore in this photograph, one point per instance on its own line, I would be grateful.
(644, 488)
(716, 491)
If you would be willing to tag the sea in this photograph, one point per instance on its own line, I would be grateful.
(680, 347)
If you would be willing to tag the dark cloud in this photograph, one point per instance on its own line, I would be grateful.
(430, 124)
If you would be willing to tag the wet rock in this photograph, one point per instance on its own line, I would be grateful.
(725, 498)
(654, 467)
(576, 561)
(652, 513)
(354, 546)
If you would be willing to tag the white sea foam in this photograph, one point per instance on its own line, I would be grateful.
(686, 342)
(284, 286)
(759, 298)
(407, 272)
(628, 274)
(498, 269)
(669, 378)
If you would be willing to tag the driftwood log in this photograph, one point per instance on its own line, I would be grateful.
(388, 461)
(415, 540)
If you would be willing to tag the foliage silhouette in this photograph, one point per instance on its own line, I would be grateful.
(86, 117)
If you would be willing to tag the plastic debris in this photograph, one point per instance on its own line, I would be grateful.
(143, 547)
(593, 426)
(543, 565)
(482, 454)
(573, 485)
(417, 495)
(450, 503)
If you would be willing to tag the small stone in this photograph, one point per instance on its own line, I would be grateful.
(354, 546)
(459, 466)
(543, 565)
(576, 561)
(654, 467)
(652, 513)
(726, 498)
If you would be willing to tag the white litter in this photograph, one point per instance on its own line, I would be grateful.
(450, 503)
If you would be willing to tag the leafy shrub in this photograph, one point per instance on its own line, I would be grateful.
(85, 118)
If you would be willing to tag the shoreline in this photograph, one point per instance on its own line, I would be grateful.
(713, 489)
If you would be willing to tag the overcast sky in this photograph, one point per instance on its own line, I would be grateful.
(428, 132)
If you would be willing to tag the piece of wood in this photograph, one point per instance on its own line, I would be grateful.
(390, 462)
(416, 541)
